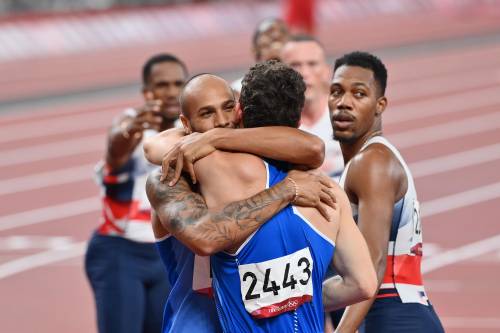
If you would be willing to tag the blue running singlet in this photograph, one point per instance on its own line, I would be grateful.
(273, 283)
(190, 306)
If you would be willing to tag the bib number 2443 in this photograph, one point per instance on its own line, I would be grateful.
(280, 284)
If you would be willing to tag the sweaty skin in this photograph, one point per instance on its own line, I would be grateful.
(375, 180)
(183, 212)
(228, 176)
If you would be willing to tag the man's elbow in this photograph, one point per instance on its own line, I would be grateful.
(147, 147)
(317, 153)
(368, 286)
(368, 283)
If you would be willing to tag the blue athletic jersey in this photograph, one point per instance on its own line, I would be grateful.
(273, 283)
(190, 307)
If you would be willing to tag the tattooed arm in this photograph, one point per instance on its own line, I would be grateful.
(185, 215)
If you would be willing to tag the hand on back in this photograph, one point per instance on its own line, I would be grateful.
(314, 189)
(185, 153)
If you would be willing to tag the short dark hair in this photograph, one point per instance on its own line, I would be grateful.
(258, 31)
(368, 61)
(156, 59)
(272, 94)
(182, 96)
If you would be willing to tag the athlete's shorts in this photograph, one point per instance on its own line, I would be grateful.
(130, 284)
(390, 315)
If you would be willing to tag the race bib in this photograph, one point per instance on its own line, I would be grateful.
(272, 287)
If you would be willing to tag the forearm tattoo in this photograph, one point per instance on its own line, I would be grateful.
(186, 215)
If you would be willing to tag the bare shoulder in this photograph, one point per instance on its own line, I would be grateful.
(245, 166)
(375, 168)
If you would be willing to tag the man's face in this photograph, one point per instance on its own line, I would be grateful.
(354, 103)
(270, 41)
(165, 82)
(209, 104)
(308, 58)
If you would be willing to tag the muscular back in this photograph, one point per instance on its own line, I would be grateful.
(225, 177)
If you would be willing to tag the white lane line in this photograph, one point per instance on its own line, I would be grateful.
(455, 161)
(406, 139)
(101, 118)
(403, 140)
(48, 151)
(461, 253)
(455, 201)
(45, 179)
(461, 199)
(41, 259)
(92, 205)
(50, 213)
(450, 130)
(28, 242)
(69, 124)
(423, 168)
(492, 323)
(449, 104)
(450, 84)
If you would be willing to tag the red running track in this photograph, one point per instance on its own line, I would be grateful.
(444, 114)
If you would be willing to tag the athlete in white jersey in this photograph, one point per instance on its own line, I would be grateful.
(382, 192)
(307, 56)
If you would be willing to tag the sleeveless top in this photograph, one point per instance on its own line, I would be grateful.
(126, 211)
(273, 283)
(190, 306)
(402, 276)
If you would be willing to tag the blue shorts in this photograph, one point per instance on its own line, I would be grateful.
(390, 315)
(130, 284)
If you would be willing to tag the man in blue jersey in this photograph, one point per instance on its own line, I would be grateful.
(272, 280)
(183, 213)
(380, 187)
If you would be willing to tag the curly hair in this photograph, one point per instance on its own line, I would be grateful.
(272, 94)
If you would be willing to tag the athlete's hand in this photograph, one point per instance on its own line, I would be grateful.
(314, 190)
(188, 150)
(148, 115)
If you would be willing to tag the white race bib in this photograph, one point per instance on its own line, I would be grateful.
(272, 287)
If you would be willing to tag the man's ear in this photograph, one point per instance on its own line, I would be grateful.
(186, 124)
(147, 94)
(239, 114)
(381, 105)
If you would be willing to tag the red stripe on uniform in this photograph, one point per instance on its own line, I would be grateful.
(281, 307)
(403, 269)
(205, 291)
(387, 295)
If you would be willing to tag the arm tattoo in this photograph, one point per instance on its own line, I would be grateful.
(185, 214)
